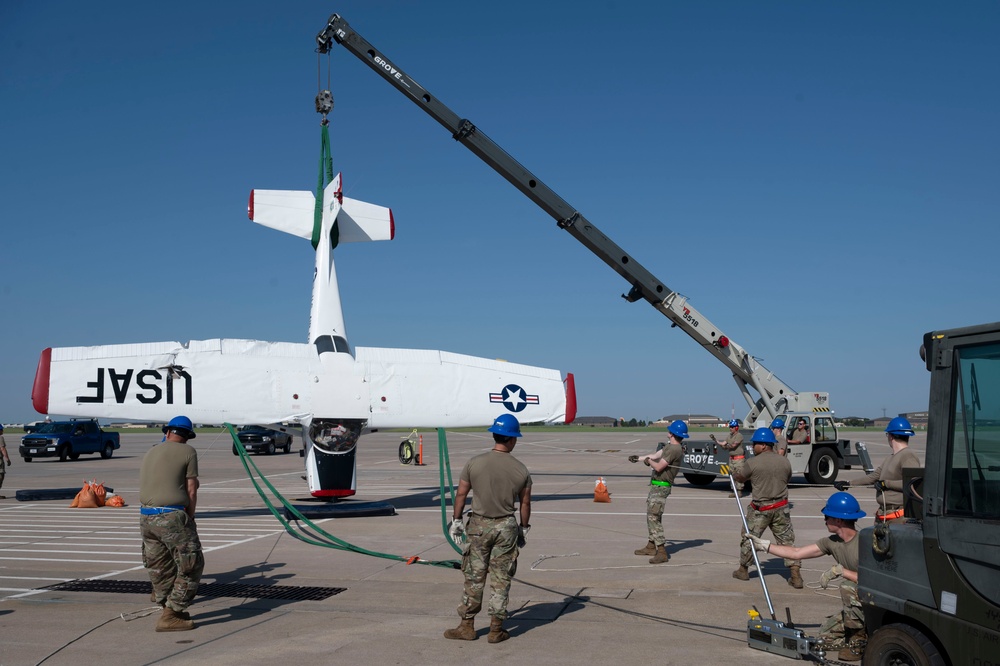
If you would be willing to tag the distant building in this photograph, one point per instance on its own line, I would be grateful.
(917, 419)
(693, 420)
(595, 421)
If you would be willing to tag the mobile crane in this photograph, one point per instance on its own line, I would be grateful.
(819, 458)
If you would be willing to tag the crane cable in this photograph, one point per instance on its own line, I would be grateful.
(312, 533)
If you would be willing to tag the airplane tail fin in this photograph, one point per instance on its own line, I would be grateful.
(292, 212)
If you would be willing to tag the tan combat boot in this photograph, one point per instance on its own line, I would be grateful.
(497, 633)
(660, 556)
(171, 620)
(741, 573)
(795, 580)
(854, 647)
(463, 632)
(649, 549)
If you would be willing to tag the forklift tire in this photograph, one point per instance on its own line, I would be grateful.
(901, 644)
(699, 479)
(823, 466)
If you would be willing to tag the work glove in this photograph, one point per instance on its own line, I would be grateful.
(841, 485)
(836, 571)
(880, 485)
(633, 459)
(645, 461)
(759, 544)
(522, 531)
(457, 531)
(711, 436)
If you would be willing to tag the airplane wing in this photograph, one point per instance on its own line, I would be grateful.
(251, 381)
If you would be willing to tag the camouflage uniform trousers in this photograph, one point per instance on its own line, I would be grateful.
(850, 617)
(171, 553)
(780, 522)
(735, 467)
(655, 502)
(493, 550)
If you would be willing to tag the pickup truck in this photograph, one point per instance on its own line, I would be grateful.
(258, 439)
(68, 440)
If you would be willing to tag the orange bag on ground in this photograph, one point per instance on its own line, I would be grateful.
(85, 498)
(601, 493)
(115, 500)
(99, 492)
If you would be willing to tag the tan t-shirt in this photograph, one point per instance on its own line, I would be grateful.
(164, 473)
(734, 443)
(672, 455)
(844, 552)
(769, 473)
(497, 480)
(891, 472)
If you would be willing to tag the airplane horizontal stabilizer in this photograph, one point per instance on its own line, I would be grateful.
(293, 212)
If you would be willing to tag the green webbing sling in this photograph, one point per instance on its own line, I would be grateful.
(325, 170)
(324, 538)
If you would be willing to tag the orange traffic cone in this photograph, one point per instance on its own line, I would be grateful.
(601, 493)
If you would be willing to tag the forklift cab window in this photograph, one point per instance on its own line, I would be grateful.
(825, 430)
(974, 459)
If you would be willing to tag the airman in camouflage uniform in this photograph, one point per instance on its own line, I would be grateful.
(769, 474)
(844, 630)
(665, 463)
(888, 478)
(497, 481)
(737, 455)
(171, 549)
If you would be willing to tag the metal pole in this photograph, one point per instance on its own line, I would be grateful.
(756, 561)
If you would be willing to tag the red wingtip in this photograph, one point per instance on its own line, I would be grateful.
(570, 383)
(40, 389)
(392, 225)
(250, 206)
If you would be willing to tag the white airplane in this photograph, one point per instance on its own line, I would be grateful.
(332, 391)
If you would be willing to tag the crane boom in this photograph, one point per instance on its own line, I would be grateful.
(773, 395)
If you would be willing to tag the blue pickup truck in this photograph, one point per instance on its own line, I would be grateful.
(68, 440)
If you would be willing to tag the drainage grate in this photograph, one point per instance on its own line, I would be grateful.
(242, 590)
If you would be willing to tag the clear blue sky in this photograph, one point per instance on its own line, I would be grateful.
(820, 178)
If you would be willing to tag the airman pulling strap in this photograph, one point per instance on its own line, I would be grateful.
(654, 482)
(898, 513)
(769, 507)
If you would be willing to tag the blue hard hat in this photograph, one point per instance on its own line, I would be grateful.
(763, 436)
(778, 423)
(678, 429)
(899, 426)
(843, 505)
(180, 423)
(506, 425)
(733, 423)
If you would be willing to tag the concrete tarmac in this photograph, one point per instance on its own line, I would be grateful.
(580, 595)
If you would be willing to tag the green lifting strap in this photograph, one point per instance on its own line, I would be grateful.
(325, 539)
(444, 467)
(325, 170)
